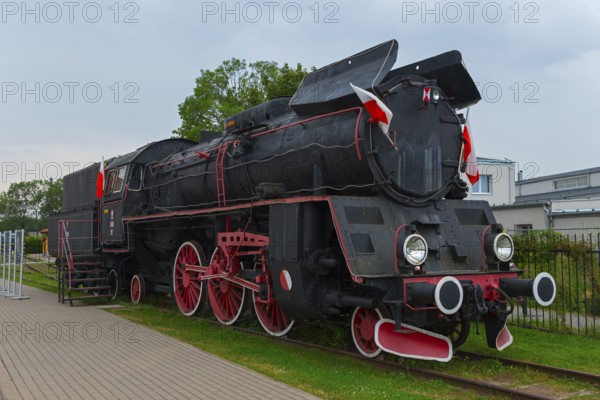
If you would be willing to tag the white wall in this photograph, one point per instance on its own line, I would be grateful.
(570, 221)
(502, 183)
(576, 204)
(510, 217)
(595, 179)
(546, 185)
(527, 188)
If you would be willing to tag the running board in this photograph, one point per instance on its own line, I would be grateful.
(412, 342)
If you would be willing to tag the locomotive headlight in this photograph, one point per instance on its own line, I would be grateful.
(415, 249)
(435, 95)
(503, 247)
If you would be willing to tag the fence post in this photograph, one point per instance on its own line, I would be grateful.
(12, 258)
(2, 249)
(8, 261)
(19, 256)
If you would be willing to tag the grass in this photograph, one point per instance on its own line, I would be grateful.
(33, 278)
(562, 350)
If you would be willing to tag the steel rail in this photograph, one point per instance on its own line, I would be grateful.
(549, 369)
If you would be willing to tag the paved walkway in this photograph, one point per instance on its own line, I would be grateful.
(53, 351)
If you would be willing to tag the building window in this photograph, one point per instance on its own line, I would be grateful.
(483, 185)
(572, 183)
(523, 228)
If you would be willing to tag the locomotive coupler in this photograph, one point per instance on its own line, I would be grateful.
(493, 311)
(473, 305)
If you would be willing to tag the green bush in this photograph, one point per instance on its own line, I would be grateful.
(33, 244)
(572, 260)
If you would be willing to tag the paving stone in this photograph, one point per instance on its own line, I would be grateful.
(53, 351)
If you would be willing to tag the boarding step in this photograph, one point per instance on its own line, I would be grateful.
(88, 288)
(87, 297)
(88, 271)
(79, 280)
(86, 263)
(84, 284)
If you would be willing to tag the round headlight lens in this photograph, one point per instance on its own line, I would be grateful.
(415, 249)
(503, 247)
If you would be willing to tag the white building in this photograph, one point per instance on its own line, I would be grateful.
(496, 182)
(569, 200)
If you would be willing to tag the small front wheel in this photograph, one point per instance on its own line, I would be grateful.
(362, 326)
(137, 288)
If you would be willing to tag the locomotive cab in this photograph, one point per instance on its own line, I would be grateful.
(124, 194)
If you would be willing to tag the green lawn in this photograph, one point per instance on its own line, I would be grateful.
(558, 349)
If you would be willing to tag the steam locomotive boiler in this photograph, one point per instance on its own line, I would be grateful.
(306, 208)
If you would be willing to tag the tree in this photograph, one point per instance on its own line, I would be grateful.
(51, 202)
(233, 87)
(28, 205)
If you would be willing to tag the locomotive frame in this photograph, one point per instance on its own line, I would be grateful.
(305, 208)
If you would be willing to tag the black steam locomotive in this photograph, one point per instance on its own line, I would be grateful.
(307, 209)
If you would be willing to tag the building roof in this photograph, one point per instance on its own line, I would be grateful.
(559, 176)
(569, 194)
(578, 211)
(484, 160)
(518, 206)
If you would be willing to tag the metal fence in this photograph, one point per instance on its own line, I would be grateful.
(572, 258)
(11, 260)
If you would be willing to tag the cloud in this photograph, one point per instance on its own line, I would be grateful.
(544, 51)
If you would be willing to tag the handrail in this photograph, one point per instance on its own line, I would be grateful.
(74, 247)
(65, 246)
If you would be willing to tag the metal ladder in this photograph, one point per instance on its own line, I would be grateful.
(79, 273)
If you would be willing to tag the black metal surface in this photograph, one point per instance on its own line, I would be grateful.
(150, 152)
(322, 156)
(451, 74)
(82, 227)
(517, 287)
(328, 88)
(79, 189)
(439, 223)
(257, 116)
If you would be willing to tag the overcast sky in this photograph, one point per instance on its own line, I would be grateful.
(82, 80)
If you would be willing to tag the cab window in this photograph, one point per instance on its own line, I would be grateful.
(110, 181)
(135, 180)
(119, 179)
